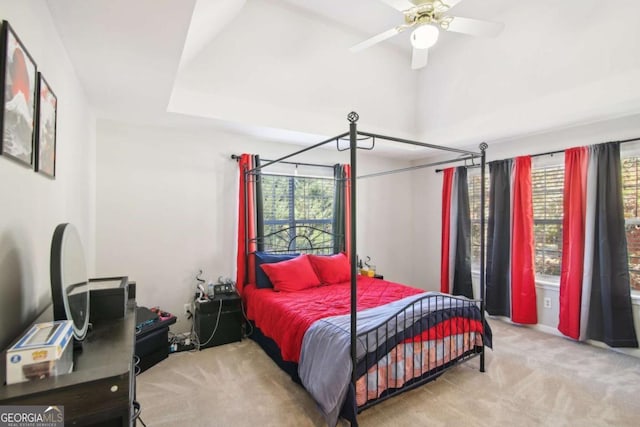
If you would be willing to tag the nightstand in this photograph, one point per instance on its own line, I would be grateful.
(229, 327)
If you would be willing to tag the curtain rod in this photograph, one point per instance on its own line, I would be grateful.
(237, 158)
(550, 153)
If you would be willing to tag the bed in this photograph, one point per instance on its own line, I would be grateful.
(353, 341)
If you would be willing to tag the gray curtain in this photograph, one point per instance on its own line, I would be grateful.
(339, 220)
(259, 205)
(462, 284)
(498, 288)
(610, 310)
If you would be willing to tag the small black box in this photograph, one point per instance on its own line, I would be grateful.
(229, 302)
(108, 298)
(152, 337)
(132, 290)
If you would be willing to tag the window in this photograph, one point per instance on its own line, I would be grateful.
(474, 182)
(548, 189)
(547, 195)
(631, 205)
(291, 201)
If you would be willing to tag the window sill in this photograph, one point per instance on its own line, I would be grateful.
(548, 282)
(552, 283)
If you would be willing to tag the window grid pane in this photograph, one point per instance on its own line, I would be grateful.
(630, 200)
(474, 183)
(302, 202)
(548, 189)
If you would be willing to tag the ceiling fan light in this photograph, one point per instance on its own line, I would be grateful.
(424, 36)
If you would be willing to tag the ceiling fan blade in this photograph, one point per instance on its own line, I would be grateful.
(475, 27)
(450, 3)
(419, 58)
(400, 5)
(377, 39)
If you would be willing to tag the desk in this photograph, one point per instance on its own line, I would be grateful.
(101, 388)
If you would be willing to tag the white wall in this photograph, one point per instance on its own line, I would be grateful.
(32, 204)
(166, 208)
(385, 214)
(427, 187)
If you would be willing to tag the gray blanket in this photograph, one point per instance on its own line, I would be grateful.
(325, 359)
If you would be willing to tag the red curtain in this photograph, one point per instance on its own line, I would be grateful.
(447, 185)
(245, 265)
(573, 234)
(523, 288)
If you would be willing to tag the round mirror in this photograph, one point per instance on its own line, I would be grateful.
(69, 281)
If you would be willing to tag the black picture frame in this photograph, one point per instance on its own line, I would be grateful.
(18, 74)
(45, 133)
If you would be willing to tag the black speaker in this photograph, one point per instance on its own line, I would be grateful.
(108, 298)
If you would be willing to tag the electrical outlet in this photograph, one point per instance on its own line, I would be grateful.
(547, 302)
(187, 309)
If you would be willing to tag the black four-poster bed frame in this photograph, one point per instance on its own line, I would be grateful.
(353, 138)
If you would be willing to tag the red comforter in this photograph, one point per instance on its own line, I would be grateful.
(286, 316)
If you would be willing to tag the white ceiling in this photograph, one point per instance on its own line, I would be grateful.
(281, 69)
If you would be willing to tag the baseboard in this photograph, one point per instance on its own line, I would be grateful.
(548, 330)
(634, 352)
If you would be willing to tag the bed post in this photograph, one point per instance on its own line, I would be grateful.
(483, 161)
(353, 146)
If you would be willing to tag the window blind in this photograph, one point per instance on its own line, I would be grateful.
(548, 189)
(302, 205)
(630, 200)
(474, 184)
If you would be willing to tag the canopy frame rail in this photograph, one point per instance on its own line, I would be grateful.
(477, 154)
(288, 156)
(411, 168)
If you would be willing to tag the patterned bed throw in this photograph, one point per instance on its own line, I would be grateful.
(325, 361)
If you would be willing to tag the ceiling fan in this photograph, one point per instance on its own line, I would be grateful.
(428, 18)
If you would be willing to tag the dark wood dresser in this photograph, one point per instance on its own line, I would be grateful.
(101, 389)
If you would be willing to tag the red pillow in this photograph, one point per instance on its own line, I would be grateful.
(331, 269)
(292, 275)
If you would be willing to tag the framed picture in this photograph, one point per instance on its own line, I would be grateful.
(45, 145)
(18, 82)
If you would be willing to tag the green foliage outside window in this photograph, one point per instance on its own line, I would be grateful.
(631, 205)
(302, 205)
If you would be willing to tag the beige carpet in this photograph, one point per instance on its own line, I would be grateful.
(532, 379)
